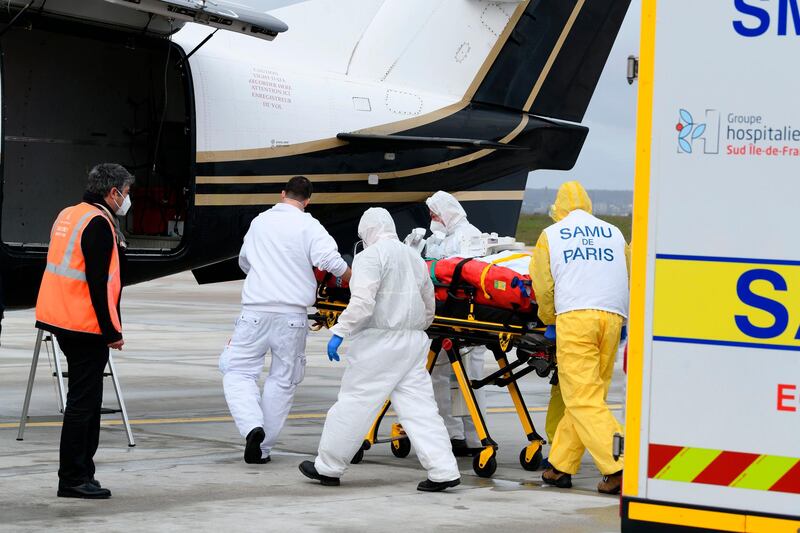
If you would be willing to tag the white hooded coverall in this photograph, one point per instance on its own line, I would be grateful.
(391, 305)
(279, 252)
(457, 228)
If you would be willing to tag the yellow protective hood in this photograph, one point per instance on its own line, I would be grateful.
(571, 196)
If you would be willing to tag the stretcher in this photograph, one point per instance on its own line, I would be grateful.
(459, 323)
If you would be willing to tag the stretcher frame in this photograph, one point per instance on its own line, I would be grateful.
(450, 334)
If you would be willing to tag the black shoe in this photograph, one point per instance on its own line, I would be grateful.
(557, 478)
(437, 486)
(87, 491)
(308, 469)
(96, 483)
(252, 450)
(457, 444)
(460, 448)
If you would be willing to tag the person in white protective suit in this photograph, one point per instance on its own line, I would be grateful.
(279, 252)
(449, 221)
(391, 306)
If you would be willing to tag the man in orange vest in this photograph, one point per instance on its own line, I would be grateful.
(79, 303)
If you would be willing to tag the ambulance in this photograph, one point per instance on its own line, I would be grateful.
(712, 436)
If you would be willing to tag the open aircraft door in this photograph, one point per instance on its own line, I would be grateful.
(713, 409)
(104, 80)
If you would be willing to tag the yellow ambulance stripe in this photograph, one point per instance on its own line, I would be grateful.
(664, 514)
(688, 464)
(696, 300)
(764, 472)
(712, 520)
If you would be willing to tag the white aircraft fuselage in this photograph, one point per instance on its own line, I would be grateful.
(377, 102)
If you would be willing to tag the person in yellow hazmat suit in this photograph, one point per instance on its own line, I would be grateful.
(580, 275)
(555, 412)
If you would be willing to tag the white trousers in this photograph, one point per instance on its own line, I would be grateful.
(242, 361)
(458, 427)
(385, 364)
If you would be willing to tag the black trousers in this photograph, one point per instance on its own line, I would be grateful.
(80, 434)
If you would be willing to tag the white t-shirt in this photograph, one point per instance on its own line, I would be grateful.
(279, 252)
(587, 260)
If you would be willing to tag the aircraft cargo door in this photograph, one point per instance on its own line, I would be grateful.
(75, 95)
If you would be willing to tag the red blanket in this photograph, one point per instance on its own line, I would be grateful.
(501, 287)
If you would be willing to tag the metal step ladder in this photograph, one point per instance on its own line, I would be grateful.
(49, 341)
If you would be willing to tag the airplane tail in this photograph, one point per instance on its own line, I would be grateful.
(538, 56)
(552, 60)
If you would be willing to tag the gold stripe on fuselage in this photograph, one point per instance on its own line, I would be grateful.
(218, 200)
(553, 55)
(495, 51)
(278, 178)
(283, 178)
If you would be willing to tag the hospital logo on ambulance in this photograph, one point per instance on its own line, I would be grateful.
(692, 134)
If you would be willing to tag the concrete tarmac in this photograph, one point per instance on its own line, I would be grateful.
(186, 471)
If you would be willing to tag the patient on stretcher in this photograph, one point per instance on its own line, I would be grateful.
(494, 288)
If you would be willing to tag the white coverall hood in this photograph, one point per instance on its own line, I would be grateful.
(446, 206)
(376, 225)
(457, 227)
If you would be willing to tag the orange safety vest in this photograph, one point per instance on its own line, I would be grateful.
(64, 300)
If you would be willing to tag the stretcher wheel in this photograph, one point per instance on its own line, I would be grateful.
(486, 470)
(535, 462)
(401, 448)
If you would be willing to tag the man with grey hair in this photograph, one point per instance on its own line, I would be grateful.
(79, 303)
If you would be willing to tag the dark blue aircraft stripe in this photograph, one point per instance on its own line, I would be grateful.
(708, 342)
(715, 259)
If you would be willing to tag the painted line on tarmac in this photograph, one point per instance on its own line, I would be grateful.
(208, 419)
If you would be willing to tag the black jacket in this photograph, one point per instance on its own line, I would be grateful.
(97, 242)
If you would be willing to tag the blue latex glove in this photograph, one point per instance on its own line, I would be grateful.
(623, 334)
(518, 283)
(550, 333)
(333, 347)
(523, 290)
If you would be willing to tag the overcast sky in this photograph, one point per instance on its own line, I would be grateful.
(606, 161)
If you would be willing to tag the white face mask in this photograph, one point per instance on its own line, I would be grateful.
(437, 226)
(122, 210)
